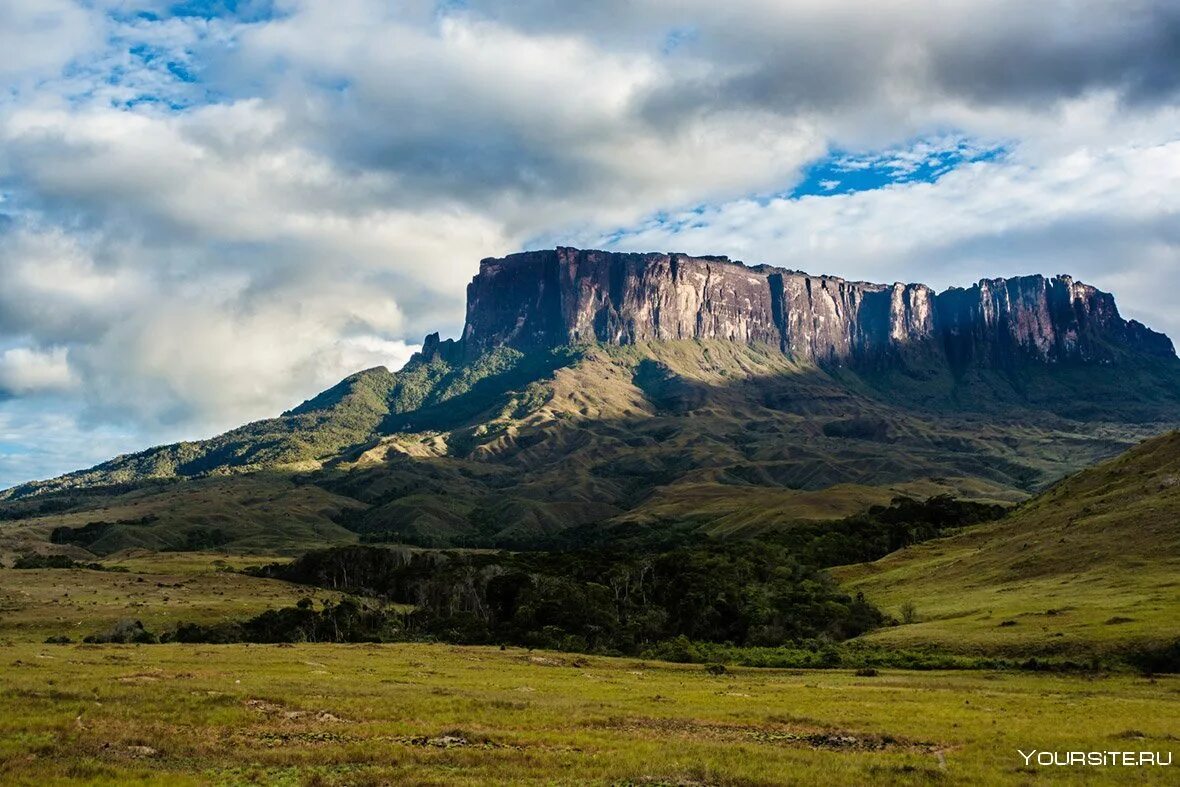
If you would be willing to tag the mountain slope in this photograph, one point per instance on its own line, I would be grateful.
(601, 389)
(1092, 563)
(344, 417)
(340, 417)
(719, 435)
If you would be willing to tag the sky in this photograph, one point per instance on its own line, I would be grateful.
(211, 210)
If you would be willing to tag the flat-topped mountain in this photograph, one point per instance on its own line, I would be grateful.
(592, 390)
(544, 299)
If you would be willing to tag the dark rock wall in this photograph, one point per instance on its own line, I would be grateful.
(562, 296)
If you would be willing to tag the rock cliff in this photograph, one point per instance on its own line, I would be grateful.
(562, 296)
(459, 440)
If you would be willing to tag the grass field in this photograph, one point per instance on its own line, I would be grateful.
(436, 714)
(159, 589)
(439, 714)
(1090, 566)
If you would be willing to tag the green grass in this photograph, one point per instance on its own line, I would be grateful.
(159, 589)
(438, 714)
(726, 509)
(434, 714)
(262, 513)
(1092, 565)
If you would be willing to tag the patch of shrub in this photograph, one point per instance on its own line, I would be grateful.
(600, 600)
(345, 621)
(125, 631)
(204, 538)
(80, 536)
(676, 597)
(60, 561)
(1156, 659)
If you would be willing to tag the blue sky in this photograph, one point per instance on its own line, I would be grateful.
(211, 210)
(923, 160)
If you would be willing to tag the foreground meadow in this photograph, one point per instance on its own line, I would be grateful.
(438, 714)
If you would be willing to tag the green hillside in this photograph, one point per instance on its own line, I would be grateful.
(1091, 564)
(514, 449)
(259, 513)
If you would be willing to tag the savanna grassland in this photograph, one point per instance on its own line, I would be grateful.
(441, 714)
(160, 589)
(1089, 566)
(437, 714)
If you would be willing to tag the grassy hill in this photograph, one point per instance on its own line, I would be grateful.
(158, 589)
(261, 513)
(1093, 563)
(724, 436)
(514, 449)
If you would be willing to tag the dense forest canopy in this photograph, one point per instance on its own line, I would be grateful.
(622, 596)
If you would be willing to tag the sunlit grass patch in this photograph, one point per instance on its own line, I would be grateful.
(437, 714)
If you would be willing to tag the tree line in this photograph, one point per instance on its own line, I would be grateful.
(613, 597)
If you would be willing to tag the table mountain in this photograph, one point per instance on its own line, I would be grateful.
(545, 299)
(595, 389)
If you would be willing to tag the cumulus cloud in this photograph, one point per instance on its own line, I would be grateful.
(25, 370)
(209, 211)
(39, 37)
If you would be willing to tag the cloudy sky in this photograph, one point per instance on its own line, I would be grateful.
(210, 210)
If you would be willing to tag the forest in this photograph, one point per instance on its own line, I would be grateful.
(607, 598)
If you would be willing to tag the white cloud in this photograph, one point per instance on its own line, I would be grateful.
(39, 37)
(25, 370)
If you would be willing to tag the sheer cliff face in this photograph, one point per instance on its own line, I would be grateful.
(563, 296)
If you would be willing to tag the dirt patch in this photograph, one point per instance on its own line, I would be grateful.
(275, 710)
(265, 706)
(551, 661)
(772, 735)
(151, 676)
(136, 751)
(452, 739)
(660, 781)
(312, 738)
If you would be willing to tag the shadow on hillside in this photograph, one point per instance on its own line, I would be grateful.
(752, 442)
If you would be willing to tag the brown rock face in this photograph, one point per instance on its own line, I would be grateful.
(562, 296)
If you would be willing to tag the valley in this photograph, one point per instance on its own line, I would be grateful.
(442, 714)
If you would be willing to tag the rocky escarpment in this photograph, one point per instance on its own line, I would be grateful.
(564, 296)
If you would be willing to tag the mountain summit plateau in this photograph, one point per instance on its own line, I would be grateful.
(545, 299)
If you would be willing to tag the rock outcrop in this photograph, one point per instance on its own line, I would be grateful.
(563, 296)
